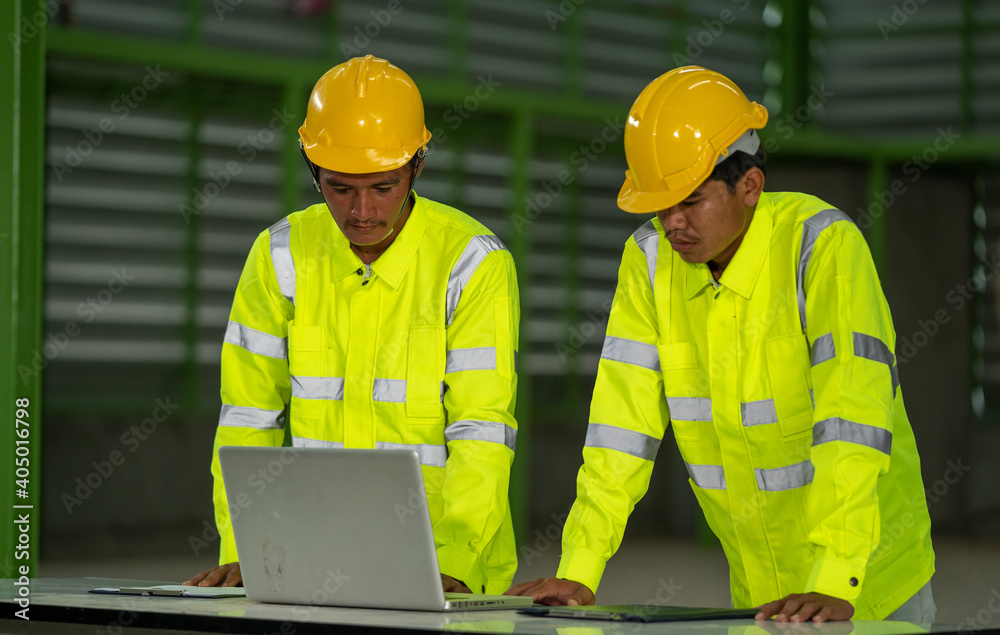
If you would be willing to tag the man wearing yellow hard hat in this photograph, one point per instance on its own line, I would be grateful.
(755, 325)
(380, 319)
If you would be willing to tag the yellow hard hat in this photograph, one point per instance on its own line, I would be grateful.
(680, 126)
(364, 115)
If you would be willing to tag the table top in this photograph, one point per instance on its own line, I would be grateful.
(68, 601)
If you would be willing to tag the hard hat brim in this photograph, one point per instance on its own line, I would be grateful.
(635, 201)
(361, 160)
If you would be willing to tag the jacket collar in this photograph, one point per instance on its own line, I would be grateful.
(744, 269)
(391, 266)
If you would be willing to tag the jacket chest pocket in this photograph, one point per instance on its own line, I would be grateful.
(789, 370)
(306, 351)
(681, 374)
(425, 364)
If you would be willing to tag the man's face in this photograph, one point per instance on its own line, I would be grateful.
(366, 206)
(709, 225)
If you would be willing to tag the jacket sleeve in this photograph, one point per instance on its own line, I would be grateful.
(855, 384)
(480, 432)
(255, 381)
(628, 417)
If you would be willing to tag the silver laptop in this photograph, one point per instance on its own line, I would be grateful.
(337, 527)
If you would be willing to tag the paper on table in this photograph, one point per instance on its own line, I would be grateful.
(176, 590)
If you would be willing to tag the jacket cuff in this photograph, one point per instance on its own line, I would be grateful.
(462, 565)
(582, 566)
(227, 547)
(838, 578)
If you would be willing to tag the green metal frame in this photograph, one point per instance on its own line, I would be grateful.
(22, 86)
(22, 159)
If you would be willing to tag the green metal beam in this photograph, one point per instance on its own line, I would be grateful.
(521, 149)
(24, 355)
(238, 65)
(877, 220)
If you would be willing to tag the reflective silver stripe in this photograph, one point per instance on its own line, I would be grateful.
(619, 349)
(491, 431)
(281, 257)
(782, 478)
(759, 412)
(477, 249)
(648, 240)
(303, 442)
(430, 455)
(318, 388)
(391, 390)
(637, 444)
(873, 348)
(707, 476)
(837, 429)
(811, 230)
(459, 359)
(690, 408)
(823, 349)
(257, 342)
(248, 417)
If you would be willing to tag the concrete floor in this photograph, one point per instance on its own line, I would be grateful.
(966, 585)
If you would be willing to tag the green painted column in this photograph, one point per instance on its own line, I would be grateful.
(22, 161)
(521, 148)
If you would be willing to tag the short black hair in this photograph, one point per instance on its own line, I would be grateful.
(731, 170)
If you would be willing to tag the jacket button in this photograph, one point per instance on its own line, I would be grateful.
(854, 582)
(366, 282)
(358, 271)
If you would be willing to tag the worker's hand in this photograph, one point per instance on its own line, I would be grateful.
(801, 607)
(451, 585)
(554, 592)
(222, 575)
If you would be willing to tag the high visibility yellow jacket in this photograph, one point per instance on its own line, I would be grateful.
(782, 390)
(415, 352)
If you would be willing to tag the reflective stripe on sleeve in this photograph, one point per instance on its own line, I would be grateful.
(637, 444)
(331, 388)
(249, 417)
(619, 349)
(281, 257)
(707, 476)
(459, 359)
(759, 412)
(690, 408)
(257, 342)
(822, 349)
(430, 455)
(811, 229)
(837, 429)
(648, 240)
(477, 250)
(391, 390)
(491, 431)
(782, 478)
(876, 350)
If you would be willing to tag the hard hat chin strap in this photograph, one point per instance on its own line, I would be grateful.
(313, 168)
(414, 168)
